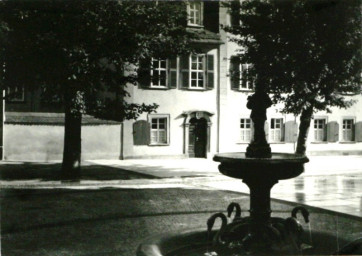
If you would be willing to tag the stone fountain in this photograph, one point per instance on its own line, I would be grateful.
(259, 233)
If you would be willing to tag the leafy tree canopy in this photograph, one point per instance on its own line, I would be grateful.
(82, 48)
(307, 53)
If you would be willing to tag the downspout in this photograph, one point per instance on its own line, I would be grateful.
(2, 152)
(121, 156)
(218, 100)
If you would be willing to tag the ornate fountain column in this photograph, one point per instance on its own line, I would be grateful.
(260, 170)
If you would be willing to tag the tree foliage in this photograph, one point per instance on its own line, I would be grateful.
(307, 53)
(89, 48)
(83, 54)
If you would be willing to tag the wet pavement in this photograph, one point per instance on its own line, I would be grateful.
(329, 182)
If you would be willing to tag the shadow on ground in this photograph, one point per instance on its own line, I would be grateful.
(51, 172)
(65, 222)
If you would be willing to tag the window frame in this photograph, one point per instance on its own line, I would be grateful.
(245, 129)
(167, 129)
(159, 69)
(238, 75)
(324, 129)
(272, 131)
(201, 14)
(198, 71)
(249, 84)
(10, 90)
(348, 118)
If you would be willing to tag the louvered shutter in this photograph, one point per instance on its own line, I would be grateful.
(290, 131)
(172, 73)
(210, 72)
(332, 131)
(184, 71)
(358, 131)
(235, 13)
(141, 133)
(144, 73)
(282, 135)
(252, 131)
(234, 72)
(266, 129)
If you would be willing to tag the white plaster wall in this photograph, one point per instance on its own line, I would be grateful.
(173, 102)
(101, 142)
(45, 143)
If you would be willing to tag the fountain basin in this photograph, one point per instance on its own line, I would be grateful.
(194, 243)
(280, 166)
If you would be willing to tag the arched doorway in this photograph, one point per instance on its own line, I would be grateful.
(197, 138)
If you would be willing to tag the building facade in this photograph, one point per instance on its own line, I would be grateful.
(202, 111)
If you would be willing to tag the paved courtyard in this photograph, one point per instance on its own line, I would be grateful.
(118, 204)
(330, 182)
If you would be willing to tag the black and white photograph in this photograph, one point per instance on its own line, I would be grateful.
(180, 128)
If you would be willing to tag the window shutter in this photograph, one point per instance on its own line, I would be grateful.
(358, 131)
(202, 14)
(211, 19)
(332, 131)
(144, 73)
(252, 131)
(290, 131)
(266, 129)
(141, 133)
(184, 71)
(234, 72)
(172, 73)
(210, 71)
(235, 13)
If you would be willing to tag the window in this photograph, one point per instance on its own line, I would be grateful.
(195, 12)
(245, 129)
(197, 71)
(245, 82)
(194, 71)
(319, 130)
(15, 94)
(347, 129)
(159, 129)
(240, 75)
(159, 73)
(49, 95)
(276, 125)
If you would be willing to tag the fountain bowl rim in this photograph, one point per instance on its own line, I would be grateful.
(276, 158)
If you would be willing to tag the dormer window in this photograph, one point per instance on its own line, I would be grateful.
(195, 12)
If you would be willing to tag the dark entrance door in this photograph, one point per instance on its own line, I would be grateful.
(197, 137)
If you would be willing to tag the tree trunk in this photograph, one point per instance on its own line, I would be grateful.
(72, 142)
(304, 130)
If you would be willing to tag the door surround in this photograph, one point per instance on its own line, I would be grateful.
(198, 115)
